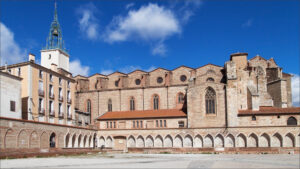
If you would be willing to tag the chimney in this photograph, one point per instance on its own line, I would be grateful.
(54, 67)
(31, 57)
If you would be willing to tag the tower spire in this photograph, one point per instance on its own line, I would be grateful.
(54, 40)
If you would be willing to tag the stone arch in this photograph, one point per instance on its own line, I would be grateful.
(67, 140)
(80, 140)
(131, 141)
(219, 141)
(101, 142)
(178, 142)
(140, 142)
(292, 121)
(10, 139)
(229, 141)
(74, 141)
(158, 142)
(44, 140)
(198, 141)
(188, 141)
(23, 139)
(241, 140)
(34, 141)
(109, 142)
(53, 140)
(289, 140)
(168, 141)
(149, 141)
(85, 141)
(208, 141)
(264, 140)
(252, 140)
(276, 140)
(90, 141)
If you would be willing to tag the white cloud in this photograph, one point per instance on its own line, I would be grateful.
(10, 51)
(151, 22)
(187, 10)
(106, 72)
(296, 90)
(128, 69)
(88, 23)
(129, 5)
(150, 68)
(159, 49)
(77, 69)
(248, 23)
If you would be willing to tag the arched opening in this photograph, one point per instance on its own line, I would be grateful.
(198, 141)
(178, 141)
(149, 141)
(188, 141)
(168, 142)
(210, 101)
(252, 140)
(88, 106)
(95, 143)
(73, 140)
(22, 140)
(292, 121)
(90, 142)
(44, 140)
(34, 140)
(79, 141)
(219, 141)
(101, 142)
(131, 142)
(180, 98)
(277, 140)
(109, 105)
(289, 140)
(241, 140)
(264, 140)
(208, 141)
(140, 142)
(158, 142)
(52, 140)
(109, 142)
(229, 141)
(132, 103)
(155, 102)
(67, 140)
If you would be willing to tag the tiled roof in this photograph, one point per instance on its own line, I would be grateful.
(142, 114)
(271, 111)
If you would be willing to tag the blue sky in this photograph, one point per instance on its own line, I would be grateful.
(105, 36)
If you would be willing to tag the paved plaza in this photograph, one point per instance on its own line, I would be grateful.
(158, 161)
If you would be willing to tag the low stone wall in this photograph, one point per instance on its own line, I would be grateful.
(25, 134)
(252, 150)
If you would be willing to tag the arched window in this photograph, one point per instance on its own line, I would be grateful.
(132, 105)
(180, 98)
(88, 106)
(109, 105)
(155, 102)
(291, 121)
(210, 101)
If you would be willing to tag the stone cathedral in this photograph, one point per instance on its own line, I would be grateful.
(245, 103)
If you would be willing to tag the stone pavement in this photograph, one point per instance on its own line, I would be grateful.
(159, 161)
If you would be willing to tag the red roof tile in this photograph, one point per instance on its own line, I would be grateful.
(271, 111)
(142, 114)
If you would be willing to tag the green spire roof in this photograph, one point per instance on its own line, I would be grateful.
(54, 40)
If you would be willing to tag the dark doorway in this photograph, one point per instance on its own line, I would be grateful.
(52, 140)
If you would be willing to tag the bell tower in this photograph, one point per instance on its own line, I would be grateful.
(54, 52)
